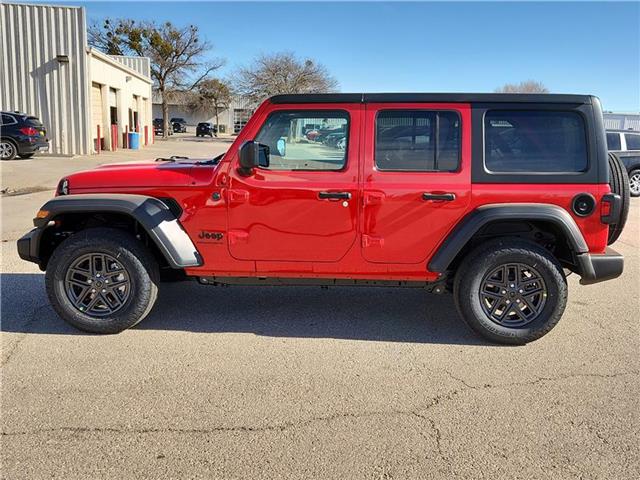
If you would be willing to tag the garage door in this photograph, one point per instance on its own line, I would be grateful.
(96, 110)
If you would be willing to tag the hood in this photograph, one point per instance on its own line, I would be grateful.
(144, 174)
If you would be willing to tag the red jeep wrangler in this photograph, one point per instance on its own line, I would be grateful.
(495, 197)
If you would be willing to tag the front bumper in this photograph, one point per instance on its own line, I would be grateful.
(29, 246)
(596, 268)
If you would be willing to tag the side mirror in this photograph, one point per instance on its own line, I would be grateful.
(252, 155)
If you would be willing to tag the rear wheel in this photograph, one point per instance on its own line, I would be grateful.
(634, 183)
(102, 280)
(619, 183)
(8, 150)
(510, 291)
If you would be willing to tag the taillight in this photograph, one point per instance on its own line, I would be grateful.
(610, 208)
(29, 131)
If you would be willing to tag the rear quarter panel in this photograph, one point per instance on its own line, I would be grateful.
(594, 231)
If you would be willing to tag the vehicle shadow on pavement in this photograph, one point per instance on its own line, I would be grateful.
(350, 313)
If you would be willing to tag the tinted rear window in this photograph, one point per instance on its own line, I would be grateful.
(613, 141)
(633, 141)
(534, 142)
(417, 140)
(33, 121)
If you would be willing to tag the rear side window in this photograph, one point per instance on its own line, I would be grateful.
(534, 142)
(7, 119)
(417, 141)
(633, 141)
(613, 141)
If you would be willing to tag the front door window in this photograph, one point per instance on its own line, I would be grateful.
(306, 140)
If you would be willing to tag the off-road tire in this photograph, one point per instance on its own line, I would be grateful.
(136, 259)
(619, 183)
(635, 174)
(491, 255)
(9, 149)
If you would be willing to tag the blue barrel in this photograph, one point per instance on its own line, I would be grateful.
(134, 140)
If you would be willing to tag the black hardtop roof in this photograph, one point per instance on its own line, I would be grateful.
(431, 98)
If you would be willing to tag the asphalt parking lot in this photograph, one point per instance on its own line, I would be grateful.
(311, 383)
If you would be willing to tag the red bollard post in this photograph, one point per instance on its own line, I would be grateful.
(114, 137)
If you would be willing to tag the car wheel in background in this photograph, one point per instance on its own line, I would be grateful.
(8, 150)
(619, 183)
(510, 291)
(102, 280)
(634, 183)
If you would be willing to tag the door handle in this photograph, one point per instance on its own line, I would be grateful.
(439, 197)
(334, 195)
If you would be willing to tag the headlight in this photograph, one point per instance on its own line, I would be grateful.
(63, 187)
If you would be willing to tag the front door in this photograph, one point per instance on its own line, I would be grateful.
(416, 172)
(304, 206)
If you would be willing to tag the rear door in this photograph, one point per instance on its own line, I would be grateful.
(303, 207)
(416, 173)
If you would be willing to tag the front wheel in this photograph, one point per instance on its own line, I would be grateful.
(102, 280)
(510, 291)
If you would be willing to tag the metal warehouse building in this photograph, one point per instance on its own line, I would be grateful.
(88, 101)
(622, 121)
(232, 119)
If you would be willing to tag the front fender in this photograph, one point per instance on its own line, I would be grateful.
(152, 214)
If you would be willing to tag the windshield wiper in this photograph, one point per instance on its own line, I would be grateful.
(213, 161)
(172, 158)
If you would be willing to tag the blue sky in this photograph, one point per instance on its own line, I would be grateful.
(432, 47)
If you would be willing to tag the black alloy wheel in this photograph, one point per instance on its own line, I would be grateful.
(513, 294)
(97, 284)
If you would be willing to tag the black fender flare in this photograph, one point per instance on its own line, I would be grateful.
(153, 214)
(486, 214)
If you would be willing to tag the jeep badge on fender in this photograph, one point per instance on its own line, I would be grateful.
(491, 197)
(204, 235)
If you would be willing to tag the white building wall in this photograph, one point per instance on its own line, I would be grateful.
(34, 79)
(132, 91)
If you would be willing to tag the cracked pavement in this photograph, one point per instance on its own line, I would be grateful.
(310, 383)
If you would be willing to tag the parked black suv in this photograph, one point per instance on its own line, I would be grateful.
(206, 128)
(158, 127)
(626, 145)
(179, 125)
(21, 135)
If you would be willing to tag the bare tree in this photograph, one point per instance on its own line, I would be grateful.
(211, 96)
(176, 53)
(281, 73)
(528, 86)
